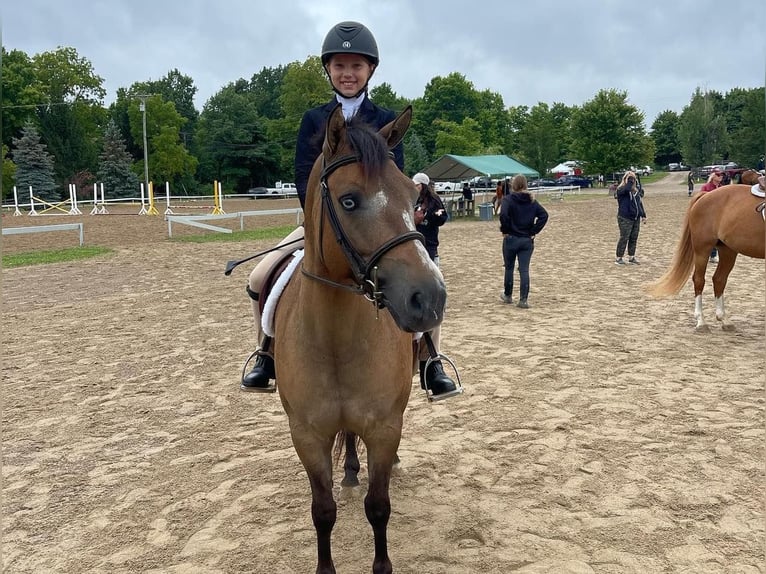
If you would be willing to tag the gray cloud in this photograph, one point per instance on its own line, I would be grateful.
(549, 51)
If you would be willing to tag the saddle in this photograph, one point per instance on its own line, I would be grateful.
(271, 278)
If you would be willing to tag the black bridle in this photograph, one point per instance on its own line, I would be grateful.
(365, 271)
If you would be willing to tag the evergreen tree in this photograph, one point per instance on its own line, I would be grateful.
(114, 169)
(34, 165)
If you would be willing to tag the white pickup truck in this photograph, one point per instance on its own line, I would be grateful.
(286, 189)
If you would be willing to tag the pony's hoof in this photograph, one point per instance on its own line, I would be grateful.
(728, 327)
(703, 328)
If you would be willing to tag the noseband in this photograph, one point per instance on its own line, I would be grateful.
(365, 271)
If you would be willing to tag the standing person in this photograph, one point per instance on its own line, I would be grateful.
(430, 215)
(521, 218)
(690, 182)
(349, 57)
(498, 199)
(713, 182)
(630, 213)
(467, 192)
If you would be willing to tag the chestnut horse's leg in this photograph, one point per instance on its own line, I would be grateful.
(377, 504)
(698, 278)
(316, 456)
(351, 464)
(726, 259)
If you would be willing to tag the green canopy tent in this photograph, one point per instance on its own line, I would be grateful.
(459, 167)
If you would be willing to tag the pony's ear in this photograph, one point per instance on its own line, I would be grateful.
(394, 132)
(333, 136)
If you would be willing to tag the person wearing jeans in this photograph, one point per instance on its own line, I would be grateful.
(521, 218)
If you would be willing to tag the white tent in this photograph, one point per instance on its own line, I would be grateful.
(567, 168)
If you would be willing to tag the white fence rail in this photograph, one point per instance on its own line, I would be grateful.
(44, 228)
(197, 220)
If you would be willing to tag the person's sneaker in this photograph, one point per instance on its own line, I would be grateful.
(522, 304)
(714, 259)
(619, 261)
(506, 299)
(634, 261)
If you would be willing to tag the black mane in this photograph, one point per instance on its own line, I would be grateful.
(368, 145)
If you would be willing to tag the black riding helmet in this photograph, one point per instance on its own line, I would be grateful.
(350, 38)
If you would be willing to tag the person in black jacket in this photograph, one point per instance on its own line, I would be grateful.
(521, 218)
(630, 213)
(430, 215)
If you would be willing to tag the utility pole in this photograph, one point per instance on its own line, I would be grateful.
(142, 107)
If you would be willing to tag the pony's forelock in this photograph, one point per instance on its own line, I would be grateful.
(368, 145)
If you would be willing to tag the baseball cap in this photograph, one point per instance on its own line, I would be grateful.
(420, 177)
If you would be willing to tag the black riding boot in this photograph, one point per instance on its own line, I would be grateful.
(259, 378)
(438, 381)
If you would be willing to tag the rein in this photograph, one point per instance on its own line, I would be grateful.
(365, 271)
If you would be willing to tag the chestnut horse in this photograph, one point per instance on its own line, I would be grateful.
(343, 326)
(749, 177)
(729, 218)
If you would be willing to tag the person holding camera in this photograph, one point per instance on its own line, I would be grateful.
(630, 213)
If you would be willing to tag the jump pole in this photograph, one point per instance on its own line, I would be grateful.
(152, 210)
(31, 202)
(94, 211)
(74, 210)
(143, 206)
(168, 211)
(217, 203)
(103, 210)
(16, 202)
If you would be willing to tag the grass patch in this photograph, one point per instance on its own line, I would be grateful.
(279, 232)
(53, 256)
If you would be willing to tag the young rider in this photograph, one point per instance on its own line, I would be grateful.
(349, 57)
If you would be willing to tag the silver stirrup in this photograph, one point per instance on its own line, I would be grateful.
(459, 387)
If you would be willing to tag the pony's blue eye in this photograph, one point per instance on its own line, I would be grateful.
(348, 203)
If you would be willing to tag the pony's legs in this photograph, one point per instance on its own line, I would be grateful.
(351, 463)
(377, 503)
(726, 260)
(698, 316)
(316, 456)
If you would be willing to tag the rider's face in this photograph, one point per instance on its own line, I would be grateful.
(349, 73)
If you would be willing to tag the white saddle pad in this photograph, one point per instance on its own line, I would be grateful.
(756, 190)
(269, 309)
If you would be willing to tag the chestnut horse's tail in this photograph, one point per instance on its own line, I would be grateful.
(682, 265)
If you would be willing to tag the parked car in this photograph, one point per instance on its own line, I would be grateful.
(578, 180)
(482, 181)
(677, 167)
(445, 186)
(255, 192)
(542, 183)
(642, 170)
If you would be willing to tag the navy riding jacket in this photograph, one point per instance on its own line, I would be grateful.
(311, 137)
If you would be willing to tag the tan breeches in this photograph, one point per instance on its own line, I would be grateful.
(263, 269)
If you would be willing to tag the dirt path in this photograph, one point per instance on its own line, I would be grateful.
(598, 432)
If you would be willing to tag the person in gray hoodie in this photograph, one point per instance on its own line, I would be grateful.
(521, 218)
(630, 213)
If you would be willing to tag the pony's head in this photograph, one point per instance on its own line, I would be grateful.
(360, 226)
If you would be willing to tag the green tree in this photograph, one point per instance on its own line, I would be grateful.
(537, 138)
(70, 124)
(665, 137)
(416, 156)
(702, 129)
(169, 160)
(266, 87)
(450, 99)
(34, 165)
(233, 144)
(384, 96)
(748, 130)
(114, 170)
(493, 122)
(458, 139)
(20, 92)
(608, 134)
(9, 173)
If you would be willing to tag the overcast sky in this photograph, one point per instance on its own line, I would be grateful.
(658, 51)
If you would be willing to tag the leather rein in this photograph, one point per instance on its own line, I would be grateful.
(365, 271)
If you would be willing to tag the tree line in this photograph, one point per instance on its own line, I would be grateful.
(54, 121)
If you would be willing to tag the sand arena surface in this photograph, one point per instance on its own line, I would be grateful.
(598, 432)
